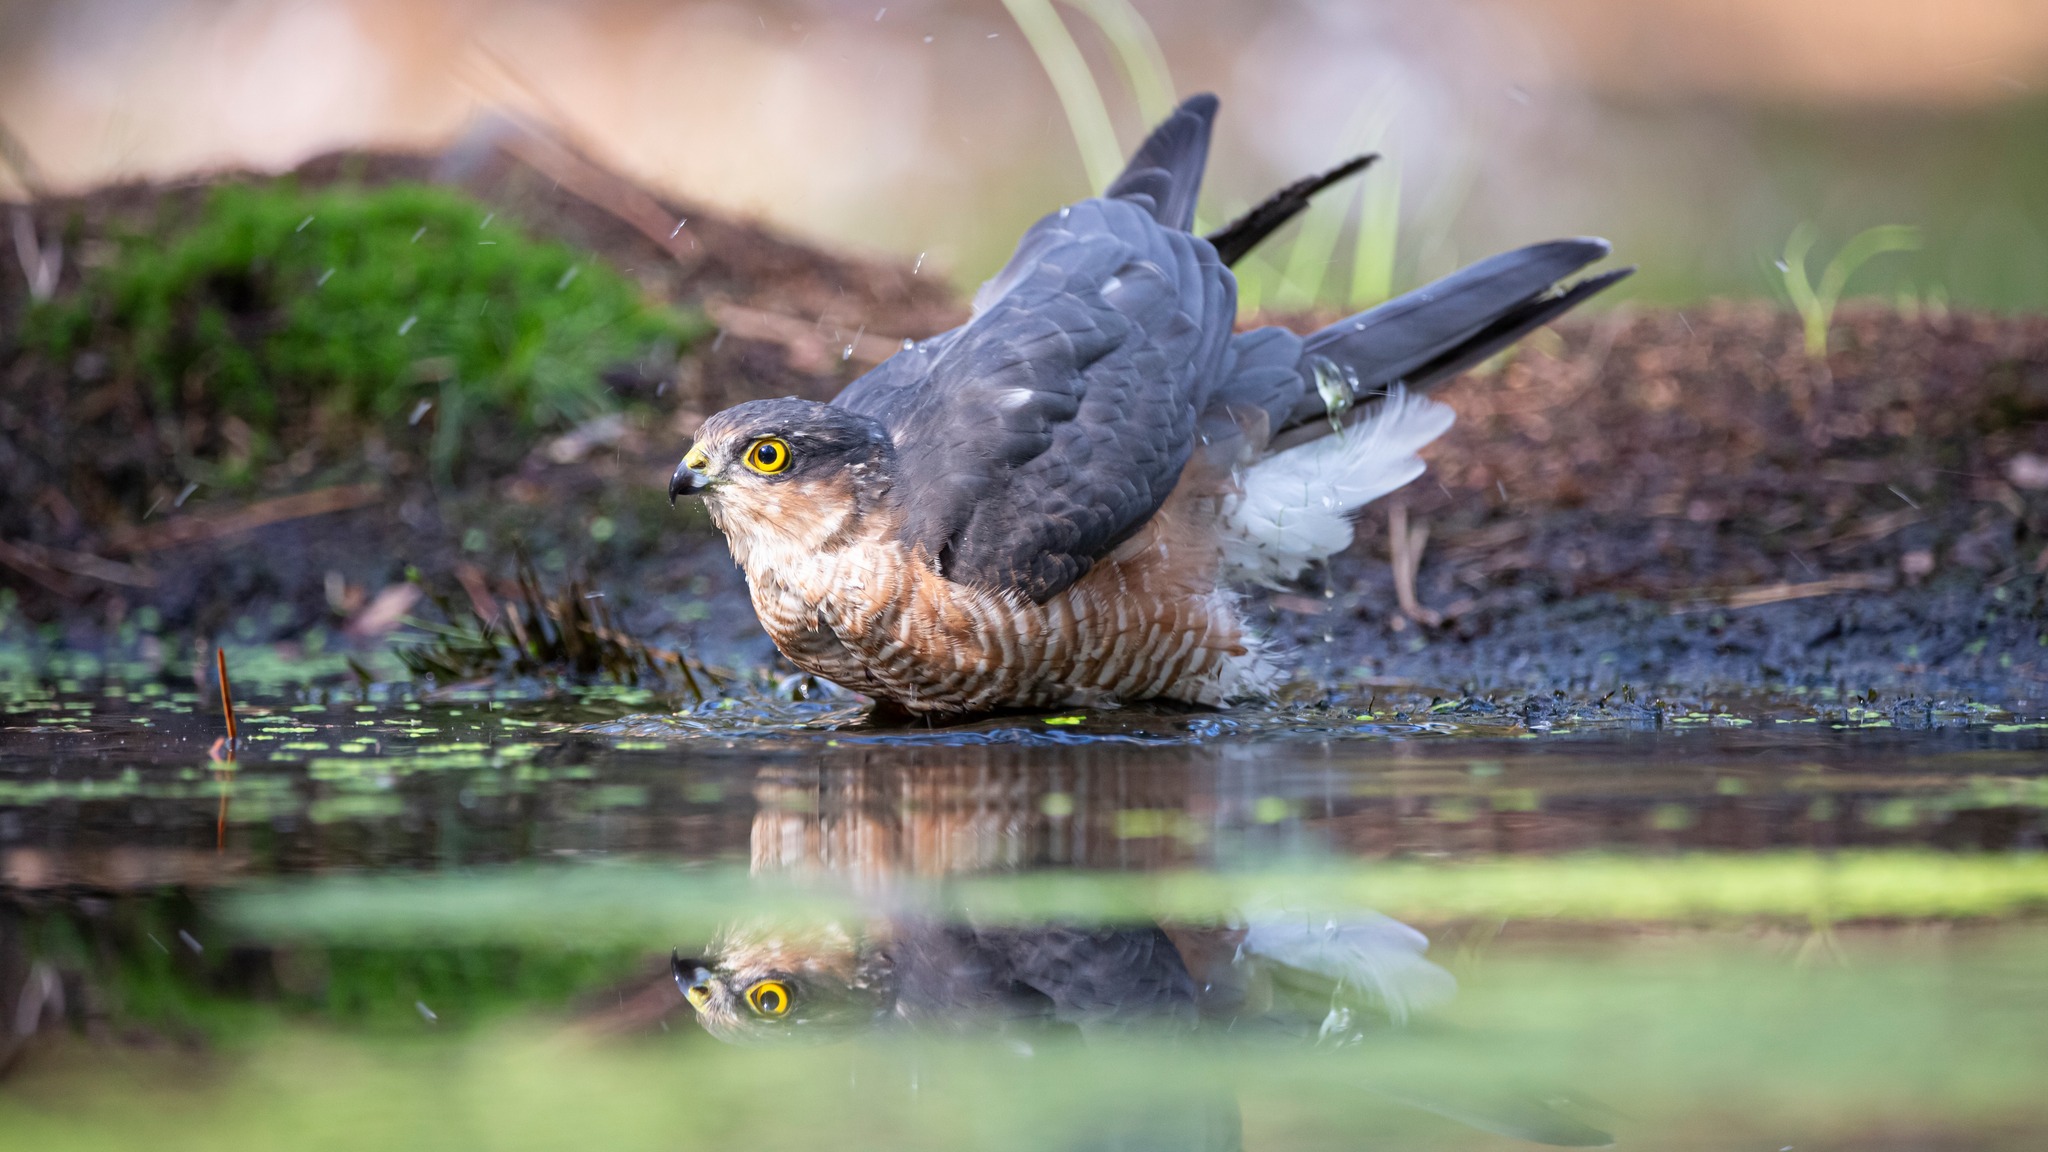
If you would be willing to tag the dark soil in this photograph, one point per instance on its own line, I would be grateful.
(1663, 501)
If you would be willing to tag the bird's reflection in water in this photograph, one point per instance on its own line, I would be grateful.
(1313, 979)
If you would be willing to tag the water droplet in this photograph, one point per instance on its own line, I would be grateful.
(568, 276)
(416, 236)
(488, 217)
(409, 322)
(324, 278)
(302, 224)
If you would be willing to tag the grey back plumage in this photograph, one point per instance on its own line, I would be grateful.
(1047, 430)
(1051, 426)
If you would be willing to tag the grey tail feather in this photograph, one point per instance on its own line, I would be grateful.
(1246, 232)
(1165, 174)
(1433, 333)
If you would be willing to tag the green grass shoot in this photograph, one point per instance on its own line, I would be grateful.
(1074, 84)
(1816, 303)
(1295, 275)
(1138, 54)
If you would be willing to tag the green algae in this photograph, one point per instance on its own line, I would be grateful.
(346, 305)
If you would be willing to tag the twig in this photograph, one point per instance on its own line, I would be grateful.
(1869, 530)
(1778, 593)
(807, 348)
(20, 553)
(227, 700)
(551, 148)
(196, 528)
(1406, 545)
(590, 183)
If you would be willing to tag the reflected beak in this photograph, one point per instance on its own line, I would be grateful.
(689, 479)
(692, 979)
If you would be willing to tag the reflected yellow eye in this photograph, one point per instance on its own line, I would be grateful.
(768, 455)
(769, 998)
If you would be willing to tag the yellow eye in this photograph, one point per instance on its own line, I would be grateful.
(769, 998)
(768, 456)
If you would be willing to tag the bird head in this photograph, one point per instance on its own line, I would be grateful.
(789, 470)
(781, 983)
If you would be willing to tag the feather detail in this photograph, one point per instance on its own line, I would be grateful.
(1295, 507)
(1364, 954)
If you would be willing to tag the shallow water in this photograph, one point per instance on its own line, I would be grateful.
(399, 921)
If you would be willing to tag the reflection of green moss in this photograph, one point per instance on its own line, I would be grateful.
(278, 304)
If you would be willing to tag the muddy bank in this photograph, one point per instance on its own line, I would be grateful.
(1656, 500)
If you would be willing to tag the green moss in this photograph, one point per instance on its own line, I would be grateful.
(276, 305)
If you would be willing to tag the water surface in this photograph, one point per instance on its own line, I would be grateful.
(403, 920)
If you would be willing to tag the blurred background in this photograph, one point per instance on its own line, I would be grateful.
(1697, 134)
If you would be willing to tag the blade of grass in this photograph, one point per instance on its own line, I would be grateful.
(1087, 115)
(1137, 52)
(1314, 250)
(1379, 224)
(1858, 251)
(1816, 305)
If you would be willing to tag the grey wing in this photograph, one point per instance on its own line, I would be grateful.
(1098, 977)
(1044, 432)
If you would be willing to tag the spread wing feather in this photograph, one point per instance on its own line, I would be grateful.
(1164, 176)
(1044, 432)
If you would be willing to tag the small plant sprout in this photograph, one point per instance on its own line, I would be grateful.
(1816, 304)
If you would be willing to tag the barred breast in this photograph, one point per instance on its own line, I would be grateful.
(1147, 622)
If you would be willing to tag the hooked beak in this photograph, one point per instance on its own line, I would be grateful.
(689, 479)
(692, 979)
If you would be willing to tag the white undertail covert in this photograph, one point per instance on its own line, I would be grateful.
(1295, 507)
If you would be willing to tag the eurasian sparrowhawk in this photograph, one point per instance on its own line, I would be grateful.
(1050, 504)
